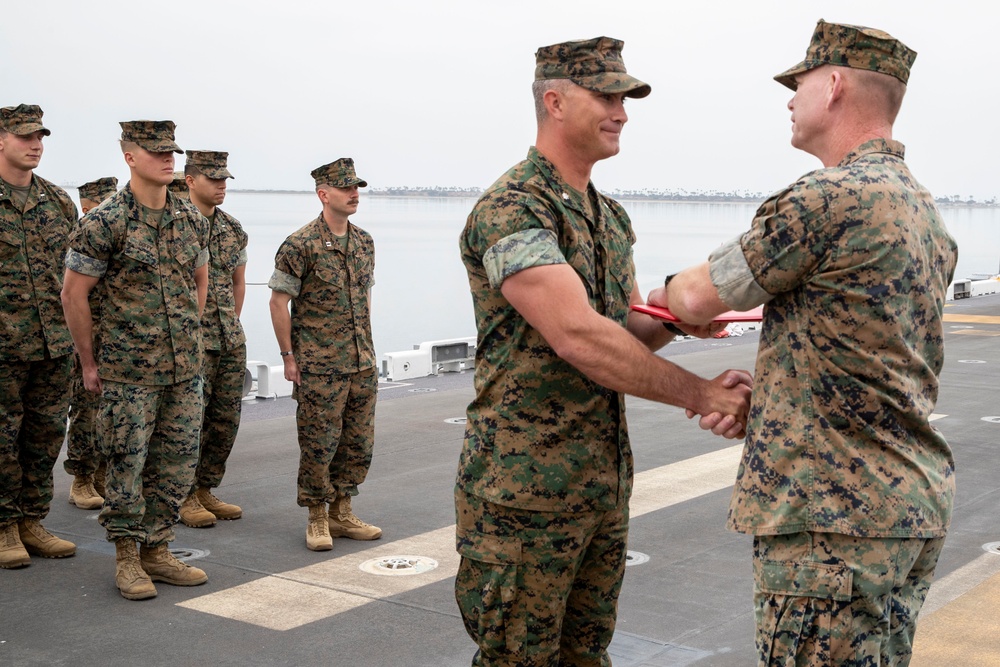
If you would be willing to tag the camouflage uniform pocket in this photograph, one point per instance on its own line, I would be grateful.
(486, 589)
(802, 610)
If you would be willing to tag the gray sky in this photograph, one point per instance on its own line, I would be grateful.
(437, 92)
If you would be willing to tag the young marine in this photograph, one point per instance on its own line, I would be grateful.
(83, 457)
(225, 358)
(36, 219)
(148, 356)
(326, 270)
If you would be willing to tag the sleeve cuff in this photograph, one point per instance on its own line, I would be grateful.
(733, 278)
(285, 283)
(87, 266)
(519, 251)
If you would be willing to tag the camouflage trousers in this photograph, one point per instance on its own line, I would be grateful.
(829, 600)
(82, 453)
(34, 397)
(223, 373)
(336, 427)
(150, 436)
(539, 588)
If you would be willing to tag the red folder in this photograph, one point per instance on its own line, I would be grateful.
(664, 314)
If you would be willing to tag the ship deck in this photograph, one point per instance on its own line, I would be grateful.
(686, 599)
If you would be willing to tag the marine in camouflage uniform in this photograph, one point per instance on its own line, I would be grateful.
(326, 271)
(178, 186)
(148, 358)
(36, 218)
(844, 482)
(225, 358)
(83, 459)
(546, 469)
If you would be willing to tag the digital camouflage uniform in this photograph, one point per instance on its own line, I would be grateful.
(332, 341)
(844, 482)
(545, 473)
(35, 343)
(82, 455)
(225, 351)
(149, 357)
(222, 333)
(546, 458)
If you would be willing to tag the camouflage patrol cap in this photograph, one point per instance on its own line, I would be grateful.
(22, 119)
(339, 174)
(210, 163)
(179, 185)
(595, 64)
(156, 136)
(98, 190)
(853, 46)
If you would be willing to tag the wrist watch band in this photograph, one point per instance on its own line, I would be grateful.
(286, 354)
(670, 326)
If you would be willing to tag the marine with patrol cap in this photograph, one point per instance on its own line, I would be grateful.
(147, 360)
(844, 483)
(225, 359)
(178, 186)
(36, 219)
(325, 270)
(545, 472)
(83, 458)
(92, 193)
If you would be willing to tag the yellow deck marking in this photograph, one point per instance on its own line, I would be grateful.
(972, 319)
(291, 599)
(965, 632)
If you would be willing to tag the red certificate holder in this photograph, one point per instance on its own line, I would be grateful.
(755, 315)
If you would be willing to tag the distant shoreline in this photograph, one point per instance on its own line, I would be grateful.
(687, 198)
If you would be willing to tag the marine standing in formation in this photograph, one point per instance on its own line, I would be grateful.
(326, 271)
(546, 469)
(147, 364)
(36, 219)
(225, 343)
(84, 459)
(844, 483)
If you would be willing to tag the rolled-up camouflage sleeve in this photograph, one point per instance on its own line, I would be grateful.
(286, 283)
(202, 258)
(87, 266)
(519, 251)
(241, 260)
(91, 245)
(733, 278)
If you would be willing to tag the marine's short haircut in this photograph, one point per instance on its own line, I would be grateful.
(538, 90)
(191, 170)
(127, 146)
(882, 92)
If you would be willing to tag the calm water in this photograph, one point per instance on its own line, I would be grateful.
(421, 291)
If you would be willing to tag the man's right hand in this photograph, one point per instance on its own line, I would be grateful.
(292, 373)
(729, 402)
(91, 380)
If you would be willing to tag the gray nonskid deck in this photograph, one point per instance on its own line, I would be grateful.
(686, 601)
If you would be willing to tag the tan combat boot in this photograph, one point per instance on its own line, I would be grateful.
(161, 565)
(318, 532)
(343, 522)
(12, 552)
(132, 581)
(101, 479)
(40, 542)
(83, 494)
(221, 510)
(194, 515)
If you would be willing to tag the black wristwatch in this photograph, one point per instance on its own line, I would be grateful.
(670, 326)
